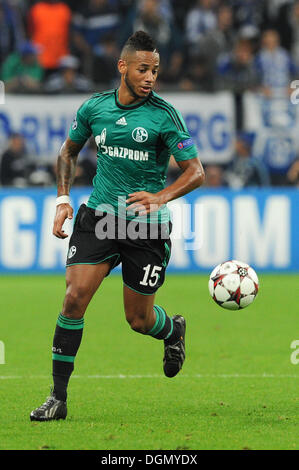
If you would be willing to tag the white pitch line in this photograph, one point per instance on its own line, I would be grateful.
(156, 376)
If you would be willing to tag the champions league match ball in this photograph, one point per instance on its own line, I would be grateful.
(233, 285)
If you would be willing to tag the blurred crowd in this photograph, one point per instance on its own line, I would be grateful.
(243, 171)
(59, 46)
(70, 46)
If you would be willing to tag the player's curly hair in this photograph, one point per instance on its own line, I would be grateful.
(139, 41)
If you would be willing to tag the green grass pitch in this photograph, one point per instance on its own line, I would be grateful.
(238, 388)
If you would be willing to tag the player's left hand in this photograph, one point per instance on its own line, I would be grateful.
(144, 202)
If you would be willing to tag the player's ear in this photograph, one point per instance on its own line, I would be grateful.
(122, 66)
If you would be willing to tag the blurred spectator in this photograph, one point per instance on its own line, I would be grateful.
(49, 23)
(14, 165)
(217, 41)
(272, 9)
(67, 79)
(104, 64)
(293, 174)
(200, 20)
(276, 147)
(221, 39)
(204, 45)
(11, 29)
(245, 170)
(214, 176)
(180, 11)
(236, 70)
(21, 71)
(237, 73)
(41, 175)
(288, 28)
(148, 16)
(124, 6)
(198, 76)
(91, 23)
(251, 16)
(73, 4)
(274, 65)
(87, 164)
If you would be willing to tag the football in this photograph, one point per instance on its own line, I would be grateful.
(233, 285)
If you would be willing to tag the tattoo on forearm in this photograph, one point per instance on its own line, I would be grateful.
(66, 166)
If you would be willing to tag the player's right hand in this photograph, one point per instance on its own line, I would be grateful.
(63, 212)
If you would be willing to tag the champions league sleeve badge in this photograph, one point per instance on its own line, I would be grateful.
(74, 124)
(185, 144)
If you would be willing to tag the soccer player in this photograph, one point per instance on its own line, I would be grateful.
(126, 218)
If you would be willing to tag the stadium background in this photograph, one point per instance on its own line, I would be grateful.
(231, 68)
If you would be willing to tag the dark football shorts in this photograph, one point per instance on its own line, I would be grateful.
(143, 249)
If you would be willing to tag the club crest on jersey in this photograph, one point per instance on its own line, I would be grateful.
(139, 134)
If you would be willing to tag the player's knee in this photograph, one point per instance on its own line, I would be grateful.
(73, 302)
(137, 322)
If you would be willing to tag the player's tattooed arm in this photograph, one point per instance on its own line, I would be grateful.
(66, 168)
(191, 178)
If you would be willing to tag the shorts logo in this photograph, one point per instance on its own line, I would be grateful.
(75, 124)
(72, 251)
(139, 134)
(185, 144)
